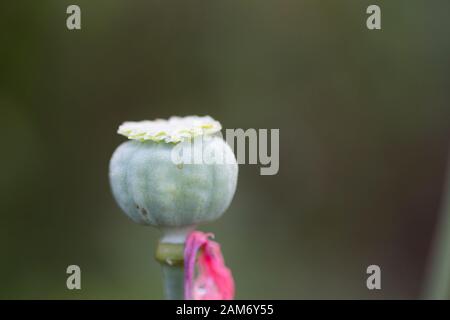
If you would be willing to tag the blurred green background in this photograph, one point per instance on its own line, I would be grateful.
(364, 119)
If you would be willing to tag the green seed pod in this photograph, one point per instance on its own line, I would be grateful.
(153, 188)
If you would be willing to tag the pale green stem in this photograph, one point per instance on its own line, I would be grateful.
(171, 258)
(173, 280)
(170, 253)
(438, 286)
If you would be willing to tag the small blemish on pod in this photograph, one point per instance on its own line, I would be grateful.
(144, 211)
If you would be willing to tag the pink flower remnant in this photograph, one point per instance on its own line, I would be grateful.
(213, 280)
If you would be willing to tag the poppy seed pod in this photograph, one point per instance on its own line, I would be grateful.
(154, 186)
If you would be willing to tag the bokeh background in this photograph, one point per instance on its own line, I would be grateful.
(364, 119)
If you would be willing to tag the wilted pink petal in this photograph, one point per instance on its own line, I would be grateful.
(214, 280)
